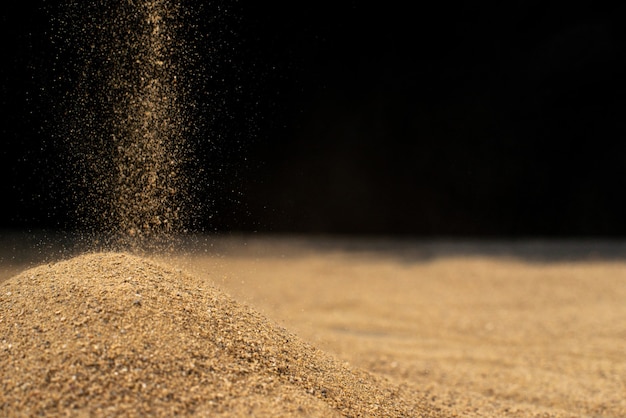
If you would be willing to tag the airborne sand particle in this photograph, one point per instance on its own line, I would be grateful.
(148, 183)
(127, 120)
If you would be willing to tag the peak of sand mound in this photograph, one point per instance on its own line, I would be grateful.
(114, 334)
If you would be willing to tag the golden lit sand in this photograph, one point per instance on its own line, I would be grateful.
(404, 329)
(111, 334)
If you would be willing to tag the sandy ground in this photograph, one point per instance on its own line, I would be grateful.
(469, 329)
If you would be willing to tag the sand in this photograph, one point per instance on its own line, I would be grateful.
(320, 328)
(125, 117)
(111, 334)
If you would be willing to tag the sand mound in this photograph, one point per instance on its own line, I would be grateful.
(113, 334)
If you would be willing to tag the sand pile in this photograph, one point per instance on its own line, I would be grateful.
(113, 334)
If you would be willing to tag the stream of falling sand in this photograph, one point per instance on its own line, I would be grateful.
(124, 121)
(147, 132)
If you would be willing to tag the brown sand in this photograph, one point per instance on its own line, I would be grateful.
(480, 329)
(125, 118)
(112, 334)
(521, 331)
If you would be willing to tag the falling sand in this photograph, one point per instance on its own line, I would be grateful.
(112, 334)
(147, 187)
(125, 118)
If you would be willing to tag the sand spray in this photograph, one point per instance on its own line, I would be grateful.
(125, 116)
(148, 140)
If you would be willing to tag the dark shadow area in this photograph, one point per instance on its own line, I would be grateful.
(356, 118)
(23, 249)
(409, 250)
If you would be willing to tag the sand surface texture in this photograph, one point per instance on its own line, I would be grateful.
(113, 334)
(400, 329)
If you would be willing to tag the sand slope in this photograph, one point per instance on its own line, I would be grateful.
(112, 334)
(482, 329)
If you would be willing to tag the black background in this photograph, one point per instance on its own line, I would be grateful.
(350, 117)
